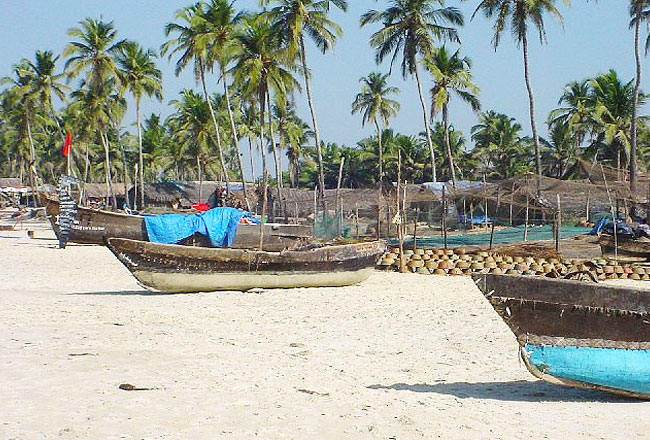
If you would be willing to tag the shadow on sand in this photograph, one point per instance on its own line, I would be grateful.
(514, 391)
(123, 293)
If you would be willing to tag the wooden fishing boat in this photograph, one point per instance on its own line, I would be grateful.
(173, 268)
(626, 246)
(95, 226)
(577, 334)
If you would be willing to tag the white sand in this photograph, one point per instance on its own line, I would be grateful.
(398, 357)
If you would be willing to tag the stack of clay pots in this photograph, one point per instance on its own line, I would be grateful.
(460, 262)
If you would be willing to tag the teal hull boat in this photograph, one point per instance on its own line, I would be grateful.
(577, 334)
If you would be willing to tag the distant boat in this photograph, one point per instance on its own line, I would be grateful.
(626, 246)
(175, 269)
(577, 334)
(95, 226)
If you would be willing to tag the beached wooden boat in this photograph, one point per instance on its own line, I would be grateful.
(577, 334)
(95, 226)
(174, 268)
(626, 246)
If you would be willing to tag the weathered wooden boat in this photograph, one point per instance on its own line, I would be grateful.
(626, 246)
(95, 226)
(174, 268)
(577, 334)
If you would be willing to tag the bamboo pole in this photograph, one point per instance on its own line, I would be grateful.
(415, 228)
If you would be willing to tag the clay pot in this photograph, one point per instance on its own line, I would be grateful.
(439, 272)
(423, 271)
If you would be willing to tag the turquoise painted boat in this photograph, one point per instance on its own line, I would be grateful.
(577, 334)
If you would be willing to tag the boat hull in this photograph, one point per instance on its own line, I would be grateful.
(626, 247)
(577, 334)
(621, 371)
(96, 226)
(169, 282)
(175, 269)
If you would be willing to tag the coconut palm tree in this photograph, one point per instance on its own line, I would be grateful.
(451, 75)
(520, 15)
(264, 66)
(640, 12)
(412, 28)
(192, 121)
(93, 52)
(220, 22)
(293, 133)
(137, 72)
(191, 44)
(376, 107)
(92, 55)
(295, 19)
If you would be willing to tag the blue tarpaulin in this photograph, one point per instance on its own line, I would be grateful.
(218, 224)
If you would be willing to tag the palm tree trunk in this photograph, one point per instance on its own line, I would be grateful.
(312, 110)
(531, 104)
(427, 129)
(107, 161)
(235, 137)
(380, 187)
(87, 164)
(216, 126)
(250, 151)
(445, 121)
(32, 162)
(635, 108)
(140, 157)
(125, 176)
(276, 157)
(200, 172)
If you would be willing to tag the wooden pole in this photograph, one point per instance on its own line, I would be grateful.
(444, 216)
(526, 223)
(315, 206)
(264, 197)
(614, 217)
(415, 228)
(296, 214)
(496, 212)
(400, 237)
(404, 219)
(337, 203)
(558, 225)
(356, 218)
(512, 196)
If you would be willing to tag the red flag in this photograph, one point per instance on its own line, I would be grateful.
(67, 144)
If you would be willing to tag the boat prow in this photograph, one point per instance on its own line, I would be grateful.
(577, 334)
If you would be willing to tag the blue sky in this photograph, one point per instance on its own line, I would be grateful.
(595, 38)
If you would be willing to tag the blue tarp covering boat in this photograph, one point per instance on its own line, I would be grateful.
(218, 224)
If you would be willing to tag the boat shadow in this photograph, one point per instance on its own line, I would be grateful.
(124, 293)
(511, 391)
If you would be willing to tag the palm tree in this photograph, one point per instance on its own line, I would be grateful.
(294, 19)
(411, 27)
(376, 106)
(263, 66)
(220, 23)
(292, 132)
(640, 12)
(451, 74)
(93, 53)
(193, 47)
(192, 128)
(137, 71)
(520, 15)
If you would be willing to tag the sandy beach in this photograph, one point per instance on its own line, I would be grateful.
(397, 357)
